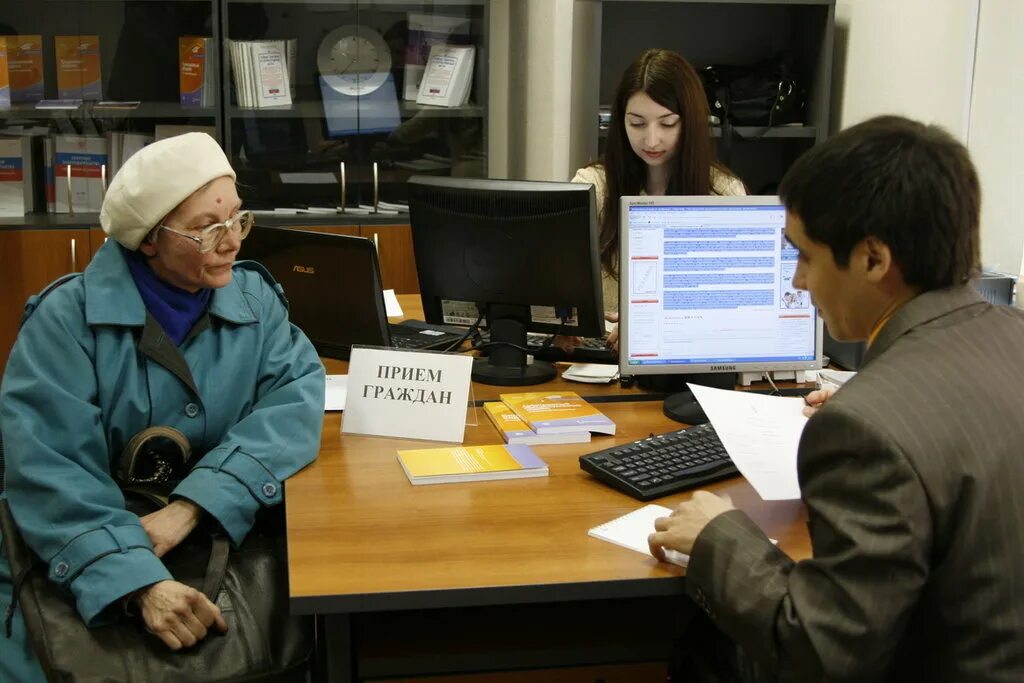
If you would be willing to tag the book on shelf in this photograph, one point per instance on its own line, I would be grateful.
(24, 67)
(5, 81)
(78, 67)
(84, 155)
(15, 179)
(470, 463)
(425, 31)
(196, 78)
(513, 430)
(448, 76)
(558, 412)
(21, 164)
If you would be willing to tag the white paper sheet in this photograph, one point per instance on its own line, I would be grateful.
(760, 433)
(391, 305)
(337, 392)
(631, 531)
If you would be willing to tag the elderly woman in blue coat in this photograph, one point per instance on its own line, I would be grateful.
(162, 328)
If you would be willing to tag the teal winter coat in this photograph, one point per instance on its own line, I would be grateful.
(89, 370)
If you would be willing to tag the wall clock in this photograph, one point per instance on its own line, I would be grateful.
(354, 60)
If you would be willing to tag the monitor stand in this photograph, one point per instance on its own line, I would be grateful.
(683, 406)
(505, 364)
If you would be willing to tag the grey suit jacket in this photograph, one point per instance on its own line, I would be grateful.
(913, 477)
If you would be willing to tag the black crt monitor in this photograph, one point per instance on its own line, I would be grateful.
(523, 254)
(332, 283)
(706, 291)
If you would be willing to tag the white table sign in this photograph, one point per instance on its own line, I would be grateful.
(407, 394)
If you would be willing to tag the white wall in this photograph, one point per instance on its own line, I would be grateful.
(995, 140)
(909, 57)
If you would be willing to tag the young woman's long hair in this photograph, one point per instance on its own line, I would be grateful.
(669, 80)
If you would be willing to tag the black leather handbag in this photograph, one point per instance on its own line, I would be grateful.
(768, 93)
(249, 585)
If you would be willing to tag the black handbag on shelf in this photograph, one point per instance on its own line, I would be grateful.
(768, 93)
(249, 585)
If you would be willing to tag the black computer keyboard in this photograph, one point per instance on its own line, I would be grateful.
(414, 334)
(664, 464)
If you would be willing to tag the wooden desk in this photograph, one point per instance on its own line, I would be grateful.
(361, 538)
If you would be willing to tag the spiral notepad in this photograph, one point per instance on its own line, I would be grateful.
(631, 531)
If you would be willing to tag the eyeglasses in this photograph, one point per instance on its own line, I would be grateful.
(210, 237)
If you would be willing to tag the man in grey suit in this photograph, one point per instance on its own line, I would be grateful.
(913, 472)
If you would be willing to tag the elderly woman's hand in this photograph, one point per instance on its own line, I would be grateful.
(169, 526)
(178, 614)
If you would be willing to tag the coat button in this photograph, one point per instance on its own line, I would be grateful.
(269, 490)
(61, 570)
(191, 409)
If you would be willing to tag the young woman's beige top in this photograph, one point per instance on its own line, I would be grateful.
(724, 184)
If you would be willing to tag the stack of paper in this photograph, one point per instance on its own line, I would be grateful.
(470, 463)
(425, 31)
(448, 76)
(514, 430)
(558, 413)
(262, 72)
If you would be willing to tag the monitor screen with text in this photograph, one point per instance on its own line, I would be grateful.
(707, 285)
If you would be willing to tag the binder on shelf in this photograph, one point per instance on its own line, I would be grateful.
(448, 76)
(80, 157)
(25, 67)
(78, 67)
(425, 31)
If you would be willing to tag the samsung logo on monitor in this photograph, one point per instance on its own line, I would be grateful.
(722, 368)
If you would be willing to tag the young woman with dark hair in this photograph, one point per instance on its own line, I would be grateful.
(659, 143)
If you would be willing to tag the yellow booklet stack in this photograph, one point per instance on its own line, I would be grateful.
(513, 430)
(470, 463)
(563, 412)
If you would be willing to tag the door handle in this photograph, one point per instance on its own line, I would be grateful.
(74, 255)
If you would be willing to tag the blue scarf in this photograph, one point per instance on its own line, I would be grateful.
(175, 309)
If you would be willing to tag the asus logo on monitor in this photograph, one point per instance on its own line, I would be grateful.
(722, 368)
(308, 270)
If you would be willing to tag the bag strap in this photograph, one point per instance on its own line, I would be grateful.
(217, 567)
(21, 559)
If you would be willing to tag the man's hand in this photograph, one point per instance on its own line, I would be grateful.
(178, 614)
(169, 526)
(613, 336)
(816, 399)
(680, 530)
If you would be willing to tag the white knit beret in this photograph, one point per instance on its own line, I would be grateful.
(155, 180)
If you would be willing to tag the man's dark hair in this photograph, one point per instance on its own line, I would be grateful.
(909, 185)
